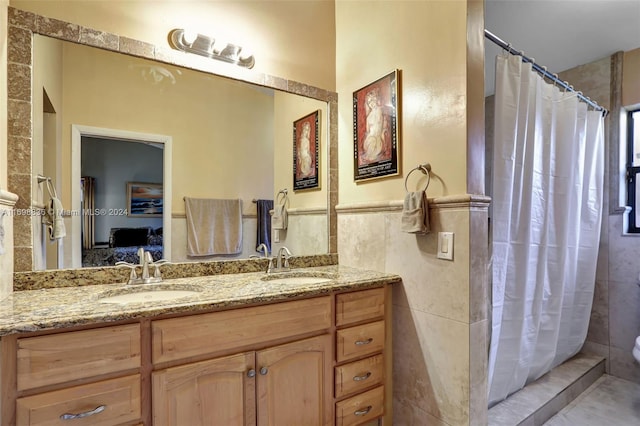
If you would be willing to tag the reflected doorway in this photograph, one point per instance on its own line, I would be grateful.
(107, 164)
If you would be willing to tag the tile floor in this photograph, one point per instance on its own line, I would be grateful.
(609, 401)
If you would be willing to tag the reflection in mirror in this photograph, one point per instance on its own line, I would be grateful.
(107, 120)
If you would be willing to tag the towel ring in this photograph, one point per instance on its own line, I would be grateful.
(425, 169)
(283, 193)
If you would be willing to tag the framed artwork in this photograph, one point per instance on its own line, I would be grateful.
(144, 199)
(306, 152)
(376, 143)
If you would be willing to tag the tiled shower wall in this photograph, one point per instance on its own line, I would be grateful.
(615, 315)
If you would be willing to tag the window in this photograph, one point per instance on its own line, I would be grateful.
(633, 171)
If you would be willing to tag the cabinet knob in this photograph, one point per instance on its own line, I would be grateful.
(97, 410)
(363, 412)
(251, 373)
(264, 370)
(364, 342)
(362, 377)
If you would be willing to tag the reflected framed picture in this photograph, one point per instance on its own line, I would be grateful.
(306, 152)
(376, 141)
(144, 199)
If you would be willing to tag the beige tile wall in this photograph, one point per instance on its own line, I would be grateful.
(440, 323)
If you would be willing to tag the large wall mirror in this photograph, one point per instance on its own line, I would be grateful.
(108, 116)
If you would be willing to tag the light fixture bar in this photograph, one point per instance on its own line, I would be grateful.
(206, 46)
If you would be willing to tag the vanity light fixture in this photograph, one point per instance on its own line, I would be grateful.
(209, 47)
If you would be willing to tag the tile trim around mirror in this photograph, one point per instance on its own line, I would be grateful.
(22, 25)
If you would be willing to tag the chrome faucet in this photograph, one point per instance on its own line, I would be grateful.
(281, 260)
(146, 260)
(262, 248)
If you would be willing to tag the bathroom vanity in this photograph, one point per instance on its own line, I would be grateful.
(245, 350)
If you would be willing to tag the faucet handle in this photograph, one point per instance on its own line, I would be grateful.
(141, 255)
(132, 276)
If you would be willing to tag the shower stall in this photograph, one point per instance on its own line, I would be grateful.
(546, 184)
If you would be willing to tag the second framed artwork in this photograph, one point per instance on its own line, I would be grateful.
(306, 152)
(376, 142)
(144, 199)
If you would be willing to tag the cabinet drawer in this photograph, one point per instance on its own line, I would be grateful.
(358, 375)
(359, 341)
(360, 408)
(359, 306)
(178, 338)
(119, 397)
(59, 358)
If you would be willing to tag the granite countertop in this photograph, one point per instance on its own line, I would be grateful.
(54, 308)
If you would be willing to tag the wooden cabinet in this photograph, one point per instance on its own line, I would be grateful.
(86, 377)
(362, 357)
(214, 392)
(320, 361)
(283, 385)
(103, 403)
(294, 383)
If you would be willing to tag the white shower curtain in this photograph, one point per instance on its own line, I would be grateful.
(547, 207)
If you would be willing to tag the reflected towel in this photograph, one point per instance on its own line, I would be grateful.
(279, 219)
(57, 229)
(415, 213)
(213, 226)
(264, 223)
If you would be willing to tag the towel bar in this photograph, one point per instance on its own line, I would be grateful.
(425, 169)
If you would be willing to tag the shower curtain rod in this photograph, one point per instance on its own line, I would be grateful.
(542, 70)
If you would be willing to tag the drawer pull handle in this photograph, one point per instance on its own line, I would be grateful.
(364, 342)
(362, 377)
(264, 370)
(99, 409)
(363, 412)
(251, 373)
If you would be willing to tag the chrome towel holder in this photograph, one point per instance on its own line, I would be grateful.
(425, 169)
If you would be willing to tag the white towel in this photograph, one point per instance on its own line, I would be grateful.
(56, 227)
(415, 213)
(280, 217)
(213, 226)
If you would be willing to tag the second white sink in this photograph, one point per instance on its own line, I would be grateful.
(143, 293)
(299, 280)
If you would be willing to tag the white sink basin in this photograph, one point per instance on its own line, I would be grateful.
(142, 294)
(299, 280)
(299, 277)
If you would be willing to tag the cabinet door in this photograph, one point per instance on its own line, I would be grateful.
(294, 383)
(215, 392)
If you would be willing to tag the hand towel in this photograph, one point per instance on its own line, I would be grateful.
(415, 213)
(279, 219)
(213, 226)
(57, 229)
(264, 223)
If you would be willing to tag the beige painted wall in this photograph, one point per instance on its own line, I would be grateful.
(221, 149)
(290, 39)
(433, 88)
(47, 75)
(631, 78)
(439, 310)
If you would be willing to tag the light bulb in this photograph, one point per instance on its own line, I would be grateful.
(189, 36)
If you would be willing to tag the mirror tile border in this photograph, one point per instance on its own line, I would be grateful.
(22, 25)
